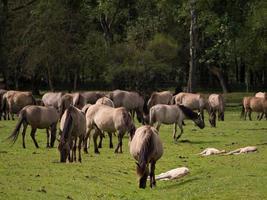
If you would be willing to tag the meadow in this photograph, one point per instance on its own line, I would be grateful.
(37, 174)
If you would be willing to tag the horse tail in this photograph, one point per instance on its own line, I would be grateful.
(22, 118)
(145, 151)
(67, 124)
(4, 106)
(173, 99)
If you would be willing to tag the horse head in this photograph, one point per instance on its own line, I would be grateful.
(64, 149)
(199, 121)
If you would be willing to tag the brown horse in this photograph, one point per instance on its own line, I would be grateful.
(75, 99)
(254, 104)
(104, 118)
(52, 99)
(72, 126)
(92, 96)
(164, 97)
(37, 117)
(216, 104)
(192, 101)
(14, 101)
(174, 114)
(146, 148)
(132, 101)
(261, 95)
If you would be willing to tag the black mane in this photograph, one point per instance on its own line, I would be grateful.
(188, 112)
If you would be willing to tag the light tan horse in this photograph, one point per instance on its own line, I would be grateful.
(73, 127)
(38, 117)
(92, 96)
(75, 99)
(146, 148)
(2, 92)
(104, 118)
(254, 104)
(105, 101)
(192, 101)
(217, 104)
(52, 99)
(132, 101)
(174, 114)
(14, 101)
(164, 97)
(261, 95)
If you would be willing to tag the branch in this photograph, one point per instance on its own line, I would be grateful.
(23, 6)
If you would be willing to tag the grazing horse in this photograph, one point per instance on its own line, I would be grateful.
(105, 101)
(14, 101)
(132, 101)
(192, 101)
(72, 126)
(104, 118)
(52, 99)
(2, 92)
(37, 117)
(264, 96)
(75, 99)
(92, 97)
(164, 97)
(254, 104)
(216, 104)
(174, 114)
(146, 148)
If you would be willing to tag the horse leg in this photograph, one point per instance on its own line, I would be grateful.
(74, 150)
(249, 115)
(86, 146)
(174, 130)
(95, 141)
(47, 138)
(182, 130)
(158, 126)
(33, 136)
(260, 116)
(152, 174)
(71, 152)
(79, 149)
(23, 134)
(101, 139)
(119, 143)
(110, 140)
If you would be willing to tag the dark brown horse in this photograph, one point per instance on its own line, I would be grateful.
(146, 148)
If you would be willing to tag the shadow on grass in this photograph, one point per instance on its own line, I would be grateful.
(254, 129)
(178, 183)
(197, 142)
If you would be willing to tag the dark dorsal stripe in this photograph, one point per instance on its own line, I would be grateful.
(188, 112)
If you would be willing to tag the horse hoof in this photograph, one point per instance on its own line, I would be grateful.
(80, 160)
(85, 151)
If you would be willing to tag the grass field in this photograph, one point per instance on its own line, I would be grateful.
(36, 173)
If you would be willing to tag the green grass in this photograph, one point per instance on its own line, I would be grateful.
(36, 173)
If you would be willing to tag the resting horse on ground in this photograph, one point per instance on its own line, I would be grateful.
(216, 104)
(73, 127)
(146, 148)
(37, 117)
(105, 118)
(132, 101)
(174, 114)
(14, 101)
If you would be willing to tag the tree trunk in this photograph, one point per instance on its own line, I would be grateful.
(193, 43)
(219, 74)
(49, 78)
(242, 71)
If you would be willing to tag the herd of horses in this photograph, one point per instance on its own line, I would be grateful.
(86, 115)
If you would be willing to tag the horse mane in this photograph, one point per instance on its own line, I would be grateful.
(67, 125)
(188, 112)
(145, 151)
